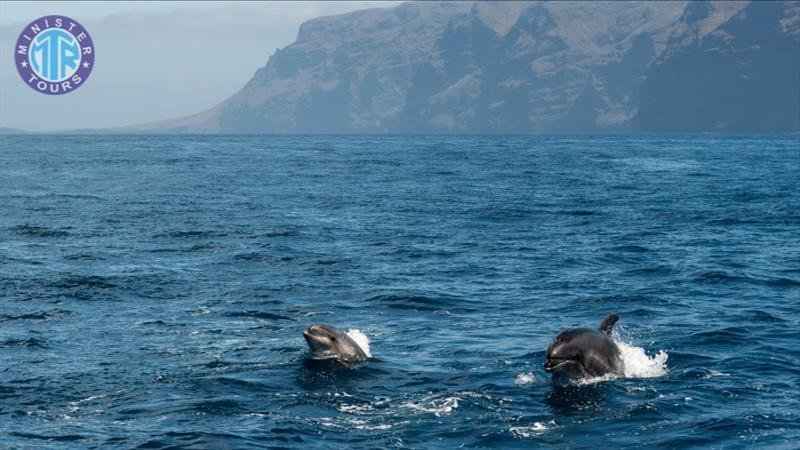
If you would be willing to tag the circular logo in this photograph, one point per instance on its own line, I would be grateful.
(54, 55)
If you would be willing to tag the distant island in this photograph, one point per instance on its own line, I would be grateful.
(11, 130)
(519, 67)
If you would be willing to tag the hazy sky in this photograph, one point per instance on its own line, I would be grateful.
(154, 60)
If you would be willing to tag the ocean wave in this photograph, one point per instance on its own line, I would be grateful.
(537, 429)
(83, 257)
(191, 234)
(50, 438)
(354, 423)
(782, 282)
(438, 407)
(44, 315)
(726, 335)
(29, 342)
(262, 257)
(39, 231)
(84, 281)
(579, 212)
(630, 248)
(443, 404)
(216, 406)
(421, 302)
(654, 270)
(717, 276)
(257, 315)
(356, 409)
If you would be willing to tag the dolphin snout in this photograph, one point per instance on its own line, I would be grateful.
(552, 364)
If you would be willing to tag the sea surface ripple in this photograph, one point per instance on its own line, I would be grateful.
(153, 290)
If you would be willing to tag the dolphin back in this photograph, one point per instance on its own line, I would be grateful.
(603, 358)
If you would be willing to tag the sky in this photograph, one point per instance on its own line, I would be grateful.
(154, 60)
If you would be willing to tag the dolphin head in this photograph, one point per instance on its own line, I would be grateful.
(565, 353)
(327, 341)
(584, 352)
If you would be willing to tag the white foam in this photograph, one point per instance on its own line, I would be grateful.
(634, 389)
(438, 407)
(361, 339)
(87, 399)
(538, 428)
(525, 379)
(355, 423)
(356, 409)
(714, 373)
(639, 365)
(365, 426)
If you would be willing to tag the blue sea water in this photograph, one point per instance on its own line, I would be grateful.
(153, 290)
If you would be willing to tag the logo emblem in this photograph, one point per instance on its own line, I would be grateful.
(54, 55)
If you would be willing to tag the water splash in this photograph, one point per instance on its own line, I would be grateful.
(638, 364)
(361, 339)
(524, 379)
(538, 428)
(437, 407)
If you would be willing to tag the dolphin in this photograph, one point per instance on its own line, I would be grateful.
(328, 342)
(584, 352)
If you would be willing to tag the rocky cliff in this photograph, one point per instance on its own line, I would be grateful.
(520, 67)
(740, 76)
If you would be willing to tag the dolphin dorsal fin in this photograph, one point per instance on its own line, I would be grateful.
(608, 323)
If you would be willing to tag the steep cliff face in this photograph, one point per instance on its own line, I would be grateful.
(556, 69)
(344, 73)
(740, 76)
(512, 67)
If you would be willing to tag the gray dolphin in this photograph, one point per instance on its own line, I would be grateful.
(327, 342)
(584, 352)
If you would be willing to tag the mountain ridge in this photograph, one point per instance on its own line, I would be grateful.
(511, 67)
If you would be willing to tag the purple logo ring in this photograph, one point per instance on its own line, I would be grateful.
(54, 55)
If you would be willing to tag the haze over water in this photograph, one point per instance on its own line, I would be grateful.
(153, 289)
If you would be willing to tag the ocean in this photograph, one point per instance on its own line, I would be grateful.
(154, 290)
